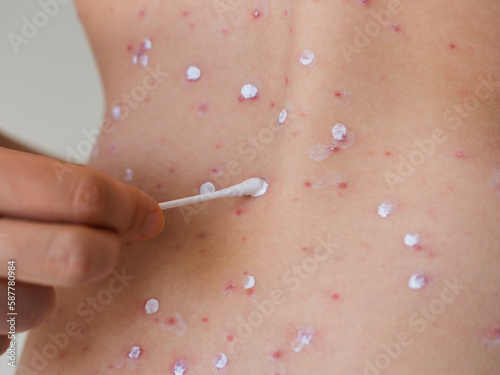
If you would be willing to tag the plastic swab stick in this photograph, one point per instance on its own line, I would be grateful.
(253, 186)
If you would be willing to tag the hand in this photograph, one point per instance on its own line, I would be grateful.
(61, 232)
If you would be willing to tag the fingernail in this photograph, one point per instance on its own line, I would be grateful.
(153, 225)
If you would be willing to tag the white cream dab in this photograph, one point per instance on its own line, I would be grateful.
(207, 188)
(135, 352)
(321, 152)
(304, 337)
(307, 57)
(248, 282)
(179, 327)
(193, 73)
(333, 178)
(249, 91)
(180, 367)
(282, 116)
(417, 281)
(129, 175)
(411, 239)
(339, 131)
(116, 112)
(152, 306)
(141, 55)
(386, 208)
(220, 361)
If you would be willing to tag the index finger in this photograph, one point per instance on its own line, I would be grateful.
(31, 188)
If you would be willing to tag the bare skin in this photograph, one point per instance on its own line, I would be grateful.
(416, 87)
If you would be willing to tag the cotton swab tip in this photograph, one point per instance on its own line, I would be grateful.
(261, 186)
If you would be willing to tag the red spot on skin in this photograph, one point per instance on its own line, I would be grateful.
(242, 99)
(185, 13)
(239, 212)
(163, 140)
(277, 354)
(142, 13)
(395, 28)
(157, 320)
(307, 184)
(286, 81)
(243, 238)
(342, 185)
(202, 108)
(272, 105)
(417, 247)
(171, 170)
(295, 199)
(388, 153)
(290, 30)
(302, 114)
(230, 338)
(250, 292)
(294, 133)
(205, 320)
(335, 297)
(229, 287)
(452, 46)
(338, 94)
(159, 185)
(217, 146)
(286, 13)
(365, 2)
(203, 251)
(256, 14)
(224, 31)
(460, 154)
(202, 235)
(129, 47)
(450, 187)
(148, 99)
(304, 248)
(171, 322)
(214, 171)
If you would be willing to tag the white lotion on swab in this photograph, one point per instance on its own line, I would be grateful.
(253, 186)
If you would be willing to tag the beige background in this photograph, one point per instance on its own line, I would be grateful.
(50, 90)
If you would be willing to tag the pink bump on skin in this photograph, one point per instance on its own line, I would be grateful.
(417, 281)
(229, 287)
(307, 58)
(277, 354)
(460, 154)
(141, 55)
(304, 337)
(386, 208)
(134, 353)
(180, 367)
(335, 297)
(220, 361)
(176, 324)
(129, 175)
(152, 306)
(203, 107)
(321, 152)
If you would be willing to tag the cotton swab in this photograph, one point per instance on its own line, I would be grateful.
(253, 186)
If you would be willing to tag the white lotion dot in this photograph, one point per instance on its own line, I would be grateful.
(116, 112)
(180, 367)
(143, 59)
(321, 152)
(193, 73)
(152, 306)
(386, 208)
(129, 175)
(411, 239)
(147, 44)
(417, 281)
(248, 282)
(207, 188)
(282, 116)
(307, 57)
(249, 91)
(141, 55)
(304, 337)
(135, 352)
(339, 131)
(220, 361)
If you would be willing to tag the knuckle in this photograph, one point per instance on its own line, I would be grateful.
(73, 261)
(88, 198)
